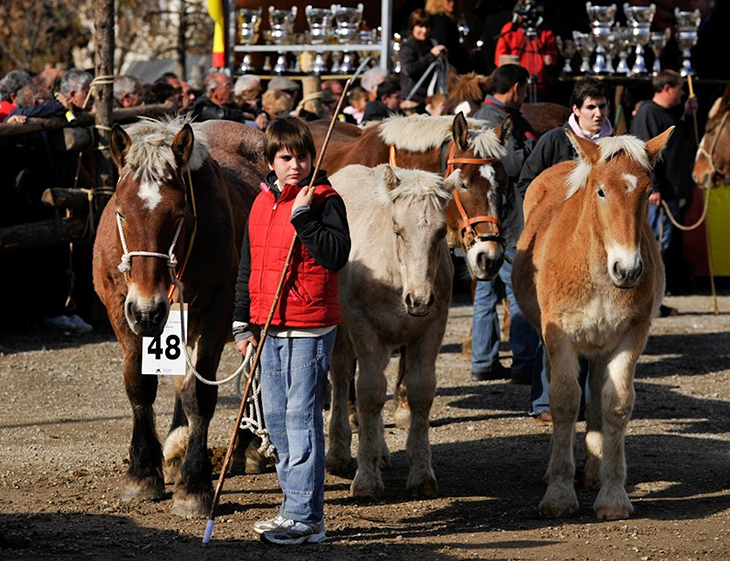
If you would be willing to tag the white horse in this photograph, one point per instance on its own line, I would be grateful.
(394, 292)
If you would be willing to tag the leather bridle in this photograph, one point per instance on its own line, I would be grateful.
(710, 156)
(469, 235)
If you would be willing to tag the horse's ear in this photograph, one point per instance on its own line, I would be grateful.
(460, 132)
(587, 151)
(182, 145)
(656, 145)
(504, 131)
(119, 142)
(389, 177)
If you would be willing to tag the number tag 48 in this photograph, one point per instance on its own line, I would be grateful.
(163, 355)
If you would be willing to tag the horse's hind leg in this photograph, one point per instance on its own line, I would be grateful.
(594, 423)
(612, 501)
(193, 490)
(176, 443)
(144, 480)
(402, 415)
(560, 498)
(338, 458)
(420, 358)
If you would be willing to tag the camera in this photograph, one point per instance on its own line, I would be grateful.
(529, 15)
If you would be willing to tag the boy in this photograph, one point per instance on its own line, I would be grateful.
(297, 351)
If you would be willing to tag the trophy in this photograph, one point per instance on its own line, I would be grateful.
(687, 24)
(584, 45)
(347, 26)
(282, 26)
(658, 41)
(320, 28)
(249, 22)
(567, 49)
(601, 18)
(639, 19)
(624, 42)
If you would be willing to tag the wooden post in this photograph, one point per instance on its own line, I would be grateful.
(104, 55)
(182, 47)
(310, 85)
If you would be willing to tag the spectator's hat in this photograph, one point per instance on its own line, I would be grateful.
(284, 84)
(246, 82)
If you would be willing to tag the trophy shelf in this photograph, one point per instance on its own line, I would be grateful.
(303, 48)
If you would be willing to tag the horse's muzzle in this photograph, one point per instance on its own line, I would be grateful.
(626, 277)
(417, 307)
(145, 318)
(484, 259)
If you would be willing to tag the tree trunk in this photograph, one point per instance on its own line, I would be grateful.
(104, 54)
(41, 234)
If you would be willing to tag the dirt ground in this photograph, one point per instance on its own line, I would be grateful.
(66, 428)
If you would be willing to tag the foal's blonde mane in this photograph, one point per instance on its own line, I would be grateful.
(150, 156)
(422, 133)
(610, 147)
(415, 185)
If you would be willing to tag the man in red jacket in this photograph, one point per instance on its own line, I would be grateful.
(533, 46)
(298, 347)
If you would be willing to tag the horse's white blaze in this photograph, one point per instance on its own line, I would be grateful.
(464, 108)
(149, 192)
(488, 173)
(631, 181)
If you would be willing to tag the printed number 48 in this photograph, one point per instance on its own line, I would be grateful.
(171, 350)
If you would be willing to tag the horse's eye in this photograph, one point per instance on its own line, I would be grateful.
(601, 193)
(462, 185)
(396, 231)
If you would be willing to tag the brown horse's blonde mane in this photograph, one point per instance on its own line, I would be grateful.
(422, 133)
(610, 148)
(150, 156)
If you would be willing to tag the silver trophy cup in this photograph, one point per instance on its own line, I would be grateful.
(687, 25)
(639, 19)
(249, 22)
(602, 19)
(320, 24)
(567, 49)
(658, 41)
(282, 28)
(347, 26)
(584, 44)
(624, 42)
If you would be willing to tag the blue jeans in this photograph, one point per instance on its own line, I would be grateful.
(523, 338)
(656, 218)
(293, 380)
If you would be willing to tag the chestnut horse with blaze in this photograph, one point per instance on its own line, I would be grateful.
(712, 163)
(589, 275)
(449, 146)
(183, 191)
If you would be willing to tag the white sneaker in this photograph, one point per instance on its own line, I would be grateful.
(80, 324)
(293, 532)
(59, 322)
(267, 525)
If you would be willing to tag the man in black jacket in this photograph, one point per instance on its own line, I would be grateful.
(589, 103)
(510, 88)
(386, 105)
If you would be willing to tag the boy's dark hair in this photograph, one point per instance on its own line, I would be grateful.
(419, 17)
(288, 133)
(386, 89)
(666, 78)
(507, 76)
(587, 87)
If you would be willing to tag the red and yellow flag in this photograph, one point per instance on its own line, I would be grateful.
(215, 10)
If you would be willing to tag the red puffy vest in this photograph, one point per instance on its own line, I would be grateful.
(309, 296)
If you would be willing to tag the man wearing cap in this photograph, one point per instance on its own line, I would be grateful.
(217, 103)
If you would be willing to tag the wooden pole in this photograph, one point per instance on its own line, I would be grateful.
(103, 93)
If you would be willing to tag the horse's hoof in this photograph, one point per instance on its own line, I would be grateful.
(425, 487)
(559, 501)
(191, 506)
(147, 489)
(337, 465)
(366, 487)
(612, 503)
(402, 417)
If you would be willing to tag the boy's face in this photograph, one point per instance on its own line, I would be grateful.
(290, 169)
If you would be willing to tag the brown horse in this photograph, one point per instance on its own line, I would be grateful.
(712, 164)
(171, 185)
(589, 275)
(445, 145)
(467, 91)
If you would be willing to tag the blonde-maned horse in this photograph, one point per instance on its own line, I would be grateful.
(589, 275)
(395, 292)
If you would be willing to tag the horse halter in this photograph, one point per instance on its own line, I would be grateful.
(710, 156)
(469, 235)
